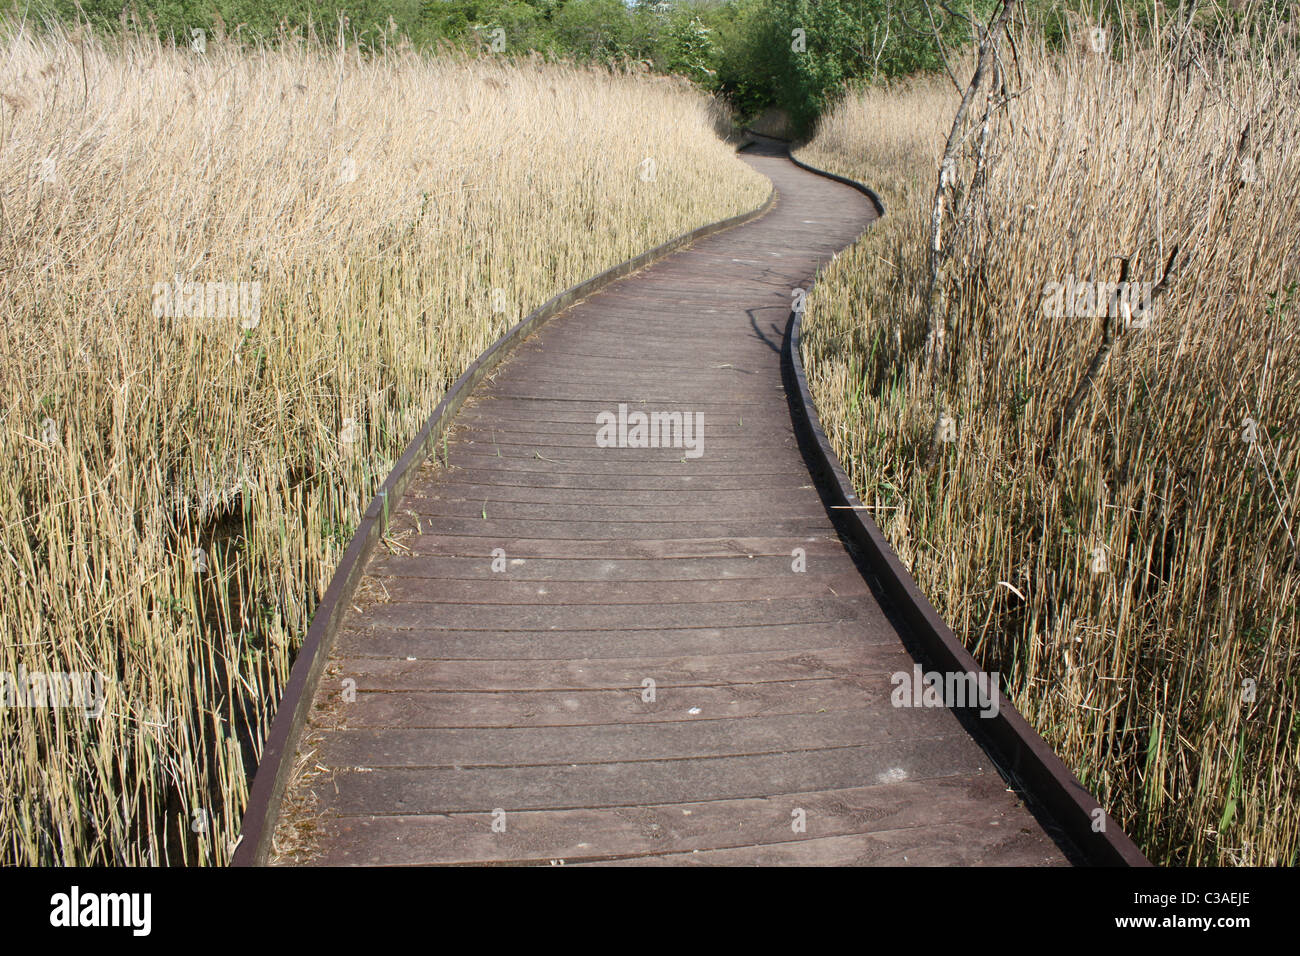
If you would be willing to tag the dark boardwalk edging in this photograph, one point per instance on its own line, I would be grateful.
(1022, 752)
(273, 770)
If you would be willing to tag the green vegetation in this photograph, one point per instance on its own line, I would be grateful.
(794, 55)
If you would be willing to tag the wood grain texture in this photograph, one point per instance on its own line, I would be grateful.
(480, 713)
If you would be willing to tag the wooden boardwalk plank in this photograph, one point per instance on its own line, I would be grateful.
(635, 783)
(961, 843)
(381, 674)
(619, 617)
(586, 707)
(577, 593)
(575, 836)
(734, 567)
(524, 644)
(649, 548)
(486, 697)
(537, 746)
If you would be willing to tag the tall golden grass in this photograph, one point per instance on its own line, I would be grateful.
(175, 491)
(1135, 583)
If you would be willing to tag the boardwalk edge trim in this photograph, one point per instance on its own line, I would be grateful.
(271, 778)
(1018, 747)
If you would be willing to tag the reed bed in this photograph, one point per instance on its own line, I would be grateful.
(180, 472)
(1134, 581)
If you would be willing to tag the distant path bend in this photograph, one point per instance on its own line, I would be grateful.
(644, 677)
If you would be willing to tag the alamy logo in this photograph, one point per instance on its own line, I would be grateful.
(208, 300)
(626, 429)
(953, 689)
(74, 690)
(76, 908)
(1077, 299)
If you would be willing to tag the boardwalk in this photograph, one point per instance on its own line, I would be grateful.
(590, 654)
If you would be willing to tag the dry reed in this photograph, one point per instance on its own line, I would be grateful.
(1135, 583)
(177, 481)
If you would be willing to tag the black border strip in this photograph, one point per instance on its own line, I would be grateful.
(1017, 746)
(272, 775)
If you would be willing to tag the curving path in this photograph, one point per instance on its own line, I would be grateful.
(504, 715)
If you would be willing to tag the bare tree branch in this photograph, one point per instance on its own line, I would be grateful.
(936, 314)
